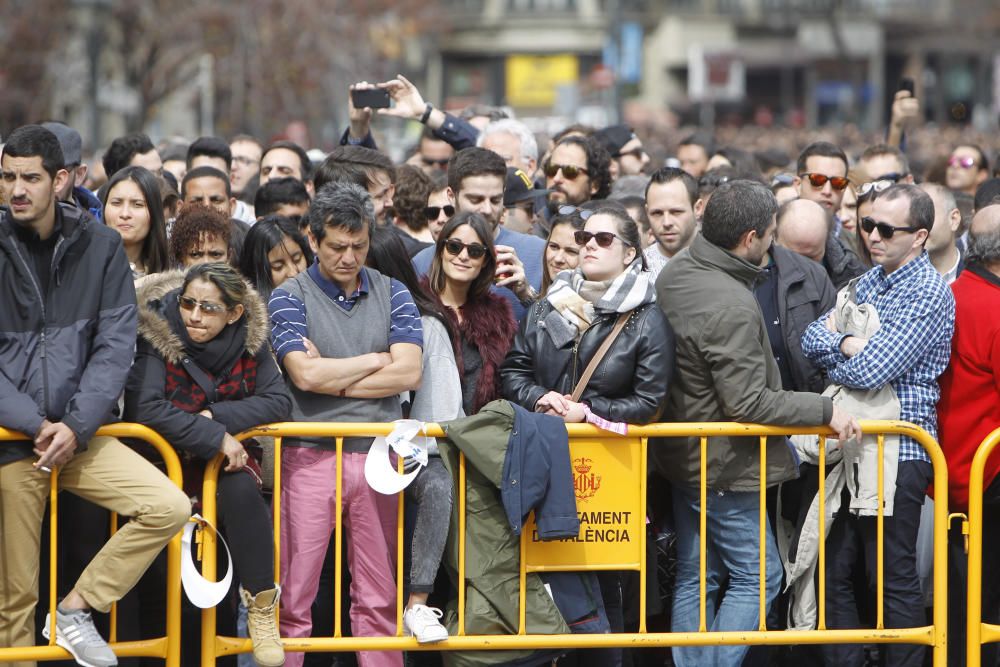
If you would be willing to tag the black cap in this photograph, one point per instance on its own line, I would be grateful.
(614, 138)
(987, 193)
(69, 140)
(519, 187)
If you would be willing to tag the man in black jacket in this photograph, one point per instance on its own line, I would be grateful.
(792, 289)
(67, 334)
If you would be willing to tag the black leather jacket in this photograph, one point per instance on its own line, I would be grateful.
(629, 385)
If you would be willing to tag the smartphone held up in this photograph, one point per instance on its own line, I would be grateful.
(370, 98)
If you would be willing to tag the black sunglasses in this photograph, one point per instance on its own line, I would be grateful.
(455, 247)
(893, 176)
(432, 212)
(637, 153)
(885, 230)
(439, 162)
(604, 239)
(568, 170)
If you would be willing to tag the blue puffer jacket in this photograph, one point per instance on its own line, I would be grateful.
(64, 356)
(88, 201)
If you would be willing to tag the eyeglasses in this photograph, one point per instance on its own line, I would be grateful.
(432, 212)
(429, 161)
(604, 239)
(207, 307)
(885, 230)
(245, 161)
(454, 247)
(875, 187)
(568, 170)
(963, 162)
(819, 180)
(569, 209)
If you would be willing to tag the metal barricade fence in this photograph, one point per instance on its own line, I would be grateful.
(623, 459)
(167, 647)
(978, 632)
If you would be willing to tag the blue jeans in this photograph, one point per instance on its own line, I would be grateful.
(732, 555)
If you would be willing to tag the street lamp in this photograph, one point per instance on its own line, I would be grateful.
(94, 11)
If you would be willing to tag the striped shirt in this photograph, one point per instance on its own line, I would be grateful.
(910, 350)
(288, 313)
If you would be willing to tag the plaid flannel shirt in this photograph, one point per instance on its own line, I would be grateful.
(910, 350)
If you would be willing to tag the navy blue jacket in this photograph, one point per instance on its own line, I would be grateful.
(455, 131)
(535, 472)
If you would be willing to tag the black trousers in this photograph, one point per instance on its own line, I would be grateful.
(246, 520)
(958, 573)
(853, 543)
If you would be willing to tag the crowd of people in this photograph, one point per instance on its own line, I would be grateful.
(206, 289)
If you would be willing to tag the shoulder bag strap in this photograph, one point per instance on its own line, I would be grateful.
(201, 378)
(596, 359)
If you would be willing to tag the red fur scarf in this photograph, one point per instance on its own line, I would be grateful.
(489, 325)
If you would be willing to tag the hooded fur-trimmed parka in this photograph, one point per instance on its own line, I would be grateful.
(161, 394)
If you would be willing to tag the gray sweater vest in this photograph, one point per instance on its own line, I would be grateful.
(339, 334)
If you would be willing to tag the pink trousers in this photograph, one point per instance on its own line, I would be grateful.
(308, 516)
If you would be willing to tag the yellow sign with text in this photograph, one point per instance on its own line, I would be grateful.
(608, 486)
(532, 81)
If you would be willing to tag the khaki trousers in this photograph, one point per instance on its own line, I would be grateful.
(108, 474)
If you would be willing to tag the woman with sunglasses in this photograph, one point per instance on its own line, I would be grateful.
(564, 329)
(562, 332)
(460, 277)
(133, 208)
(204, 372)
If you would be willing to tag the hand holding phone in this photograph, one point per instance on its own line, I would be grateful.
(905, 106)
(370, 98)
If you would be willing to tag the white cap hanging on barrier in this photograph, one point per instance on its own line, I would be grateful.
(380, 472)
(202, 593)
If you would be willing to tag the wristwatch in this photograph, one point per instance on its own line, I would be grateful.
(427, 112)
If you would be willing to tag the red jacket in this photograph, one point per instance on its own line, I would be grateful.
(969, 408)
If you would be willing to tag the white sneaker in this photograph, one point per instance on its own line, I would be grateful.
(76, 633)
(422, 622)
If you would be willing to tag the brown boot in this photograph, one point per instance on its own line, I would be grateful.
(262, 623)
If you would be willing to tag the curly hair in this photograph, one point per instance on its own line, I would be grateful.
(413, 187)
(598, 162)
(194, 223)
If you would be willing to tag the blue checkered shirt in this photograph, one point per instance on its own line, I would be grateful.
(910, 350)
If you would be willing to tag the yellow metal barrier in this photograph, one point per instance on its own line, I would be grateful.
(977, 632)
(590, 449)
(167, 647)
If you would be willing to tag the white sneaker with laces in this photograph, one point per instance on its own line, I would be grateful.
(423, 622)
(76, 633)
